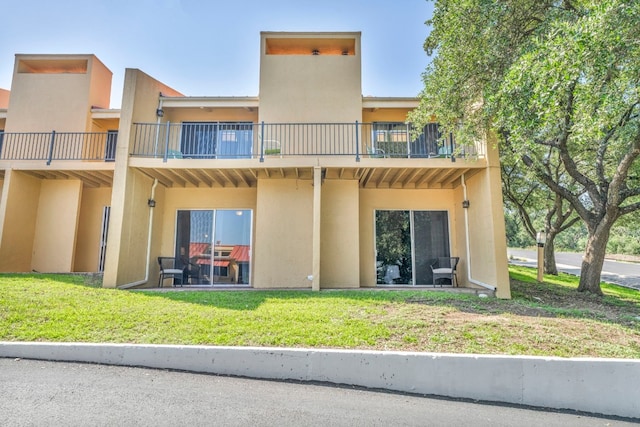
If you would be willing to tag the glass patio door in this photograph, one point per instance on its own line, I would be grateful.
(406, 244)
(214, 246)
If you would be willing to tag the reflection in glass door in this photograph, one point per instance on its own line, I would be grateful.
(406, 244)
(214, 246)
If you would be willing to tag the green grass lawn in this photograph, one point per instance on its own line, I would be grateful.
(541, 319)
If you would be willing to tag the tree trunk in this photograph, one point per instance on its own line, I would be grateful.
(550, 256)
(594, 259)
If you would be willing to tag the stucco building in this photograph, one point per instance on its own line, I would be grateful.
(308, 185)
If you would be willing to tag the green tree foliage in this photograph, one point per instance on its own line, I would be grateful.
(553, 80)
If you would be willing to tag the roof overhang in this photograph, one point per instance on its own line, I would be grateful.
(210, 102)
(383, 102)
(105, 113)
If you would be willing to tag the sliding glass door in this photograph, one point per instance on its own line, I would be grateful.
(214, 246)
(210, 140)
(407, 242)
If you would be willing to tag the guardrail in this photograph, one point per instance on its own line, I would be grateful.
(54, 145)
(221, 140)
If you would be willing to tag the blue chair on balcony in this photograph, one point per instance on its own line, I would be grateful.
(374, 152)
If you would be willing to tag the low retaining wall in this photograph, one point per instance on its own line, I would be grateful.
(601, 386)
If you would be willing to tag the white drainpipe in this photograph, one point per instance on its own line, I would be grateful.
(146, 276)
(466, 229)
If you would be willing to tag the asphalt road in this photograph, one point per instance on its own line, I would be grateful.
(622, 273)
(39, 393)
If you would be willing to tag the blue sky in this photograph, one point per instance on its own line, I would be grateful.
(211, 48)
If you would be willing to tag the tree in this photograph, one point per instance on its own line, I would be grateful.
(553, 80)
(534, 205)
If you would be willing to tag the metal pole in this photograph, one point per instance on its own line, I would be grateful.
(262, 142)
(53, 139)
(408, 144)
(166, 143)
(540, 261)
(357, 144)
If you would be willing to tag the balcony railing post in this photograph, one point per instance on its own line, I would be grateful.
(357, 144)
(262, 141)
(453, 156)
(216, 148)
(408, 141)
(166, 143)
(51, 142)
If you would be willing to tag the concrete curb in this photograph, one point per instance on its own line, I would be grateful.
(601, 386)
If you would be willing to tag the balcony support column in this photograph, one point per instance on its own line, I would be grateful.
(317, 215)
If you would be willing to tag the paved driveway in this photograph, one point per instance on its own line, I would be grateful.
(621, 273)
(71, 394)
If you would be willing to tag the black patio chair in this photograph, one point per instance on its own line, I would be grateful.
(168, 270)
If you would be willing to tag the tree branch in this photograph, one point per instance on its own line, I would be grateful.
(569, 165)
(627, 209)
(583, 212)
(617, 186)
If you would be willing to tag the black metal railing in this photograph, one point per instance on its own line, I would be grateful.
(49, 146)
(214, 140)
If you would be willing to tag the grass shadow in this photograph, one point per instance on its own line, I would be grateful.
(252, 299)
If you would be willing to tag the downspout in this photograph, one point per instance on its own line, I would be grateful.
(466, 229)
(146, 276)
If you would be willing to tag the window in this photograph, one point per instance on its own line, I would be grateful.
(221, 271)
(209, 140)
(214, 246)
(406, 244)
(390, 139)
(431, 143)
(110, 146)
(394, 140)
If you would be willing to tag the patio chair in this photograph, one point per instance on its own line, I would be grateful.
(168, 270)
(374, 152)
(192, 273)
(445, 268)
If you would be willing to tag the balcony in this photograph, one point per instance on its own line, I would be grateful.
(243, 140)
(50, 146)
(87, 156)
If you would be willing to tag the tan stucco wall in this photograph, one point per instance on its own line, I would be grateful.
(175, 199)
(18, 210)
(384, 115)
(104, 125)
(487, 239)
(90, 228)
(308, 88)
(56, 224)
(127, 256)
(99, 84)
(340, 245)
(283, 235)
(4, 98)
(130, 239)
(211, 115)
(372, 200)
(461, 239)
(43, 102)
